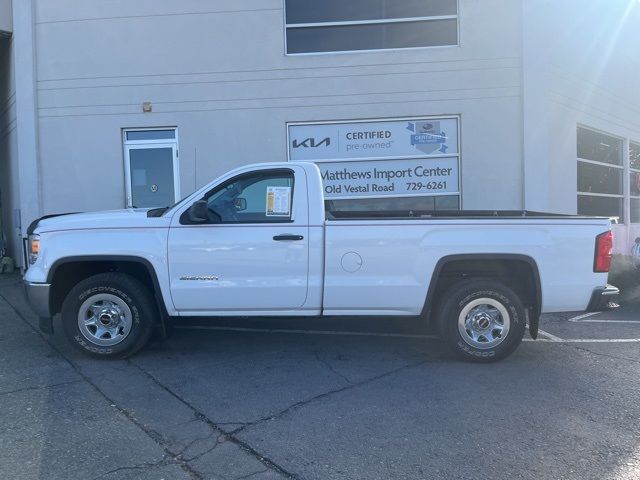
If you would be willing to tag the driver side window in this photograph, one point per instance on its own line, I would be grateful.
(259, 197)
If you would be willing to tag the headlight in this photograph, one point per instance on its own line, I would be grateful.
(34, 248)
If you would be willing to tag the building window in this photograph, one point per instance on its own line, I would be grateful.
(314, 26)
(600, 174)
(634, 181)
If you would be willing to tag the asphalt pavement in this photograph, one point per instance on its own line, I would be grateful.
(331, 399)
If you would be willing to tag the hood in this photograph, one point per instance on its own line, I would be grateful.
(127, 218)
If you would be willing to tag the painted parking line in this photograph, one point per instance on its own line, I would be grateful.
(549, 336)
(585, 319)
(587, 340)
(581, 318)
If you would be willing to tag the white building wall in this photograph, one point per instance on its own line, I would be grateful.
(217, 71)
(581, 67)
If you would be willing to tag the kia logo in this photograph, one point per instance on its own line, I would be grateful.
(311, 143)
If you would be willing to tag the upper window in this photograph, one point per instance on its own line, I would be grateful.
(140, 135)
(314, 26)
(599, 147)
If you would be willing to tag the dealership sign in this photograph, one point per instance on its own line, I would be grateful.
(398, 178)
(388, 158)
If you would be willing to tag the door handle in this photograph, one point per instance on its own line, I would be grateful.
(286, 236)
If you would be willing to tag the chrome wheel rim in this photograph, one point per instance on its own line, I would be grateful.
(105, 320)
(484, 323)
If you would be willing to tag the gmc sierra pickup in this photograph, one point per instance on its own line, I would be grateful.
(259, 242)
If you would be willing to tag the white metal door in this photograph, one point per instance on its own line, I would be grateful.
(152, 175)
(244, 266)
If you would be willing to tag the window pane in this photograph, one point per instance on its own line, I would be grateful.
(372, 36)
(634, 155)
(448, 202)
(599, 147)
(151, 134)
(256, 194)
(151, 177)
(599, 179)
(313, 11)
(244, 200)
(635, 210)
(600, 206)
(634, 184)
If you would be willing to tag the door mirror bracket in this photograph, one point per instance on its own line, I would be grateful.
(198, 212)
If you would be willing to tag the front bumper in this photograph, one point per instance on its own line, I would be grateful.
(38, 298)
(601, 297)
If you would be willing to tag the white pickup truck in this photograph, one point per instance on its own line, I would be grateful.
(258, 242)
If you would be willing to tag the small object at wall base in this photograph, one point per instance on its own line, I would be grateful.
(7, 265)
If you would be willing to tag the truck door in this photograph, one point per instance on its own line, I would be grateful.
(250, 253)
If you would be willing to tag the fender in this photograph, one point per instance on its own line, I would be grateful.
(533, 314)
(157, 292)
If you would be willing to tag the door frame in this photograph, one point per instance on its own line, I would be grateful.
(128, 145)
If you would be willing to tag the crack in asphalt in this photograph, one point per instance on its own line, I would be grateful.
(40, 387)
(227, 436)
(303, 403)
(208, 450)
(330, 367)
(153, 435)
(249, 475)
(141, 466)
(219, 440)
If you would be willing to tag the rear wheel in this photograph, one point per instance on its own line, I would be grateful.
(481, 320)
(109, 315)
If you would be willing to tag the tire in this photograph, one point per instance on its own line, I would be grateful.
(481, 320)
(109, 315)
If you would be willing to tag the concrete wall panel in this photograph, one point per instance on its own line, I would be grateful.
(221, 76)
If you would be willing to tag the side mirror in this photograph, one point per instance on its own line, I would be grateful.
(240, 204)
(198, 212)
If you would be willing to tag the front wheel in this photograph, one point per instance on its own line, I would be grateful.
(481, 320)
(109, 315)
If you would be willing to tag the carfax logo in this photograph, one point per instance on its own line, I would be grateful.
(428, 137)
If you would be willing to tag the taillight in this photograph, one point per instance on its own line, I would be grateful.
(604, 252)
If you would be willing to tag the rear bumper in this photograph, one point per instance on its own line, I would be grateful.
(38, 298)
(601, 296)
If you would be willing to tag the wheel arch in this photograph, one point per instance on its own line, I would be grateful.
(523, 277)
(65, 272)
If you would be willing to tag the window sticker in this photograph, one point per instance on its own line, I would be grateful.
(278, 201)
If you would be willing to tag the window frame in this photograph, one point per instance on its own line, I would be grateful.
(621, 167)
(184, 220)
(286, 26)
